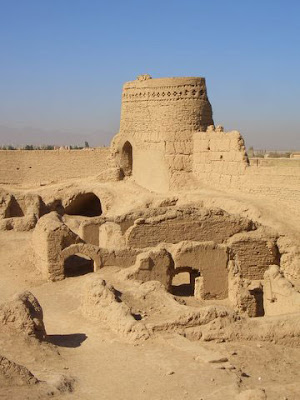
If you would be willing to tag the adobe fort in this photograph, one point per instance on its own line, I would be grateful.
(172, 233)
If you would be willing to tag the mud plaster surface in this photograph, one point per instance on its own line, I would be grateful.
(107, 367)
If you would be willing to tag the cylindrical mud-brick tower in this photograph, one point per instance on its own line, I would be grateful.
(158, 119)
(161, 108)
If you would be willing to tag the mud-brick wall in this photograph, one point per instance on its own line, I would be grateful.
(158, 117)
(46, 166)
(218, 156)
(275, 178)
(220, 160)
(217, 227)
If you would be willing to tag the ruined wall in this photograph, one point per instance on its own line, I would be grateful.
(153, 265)
(45, 166)
(158, 117)
(211, 260)
(19, 211)
(253, 254)
(220, 160)
(280, 296)
(218, 156)
(276, 178)
(169, 124)
(49, 237)
(185, 225)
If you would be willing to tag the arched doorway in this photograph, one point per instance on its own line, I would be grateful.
(79, 259)
(126, 160)
(85, 204)
(77, 265)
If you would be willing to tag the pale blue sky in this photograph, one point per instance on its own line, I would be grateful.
(63, 63)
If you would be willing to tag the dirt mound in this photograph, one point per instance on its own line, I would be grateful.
(15, 374)
(138, 310)
(129, 306)
(283, 329)
(101, 301)
(17, 382)
(156, 264)
(20, 211)
(23, 314)
(281, 297)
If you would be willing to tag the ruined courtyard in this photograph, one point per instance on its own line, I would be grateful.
(166, 266)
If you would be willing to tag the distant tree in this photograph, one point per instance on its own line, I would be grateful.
(86, 145)
(278, 154)
(9, 147)
(251, 151)
(260, 154)
(28, 147)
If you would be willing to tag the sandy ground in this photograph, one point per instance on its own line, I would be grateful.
(107, 367)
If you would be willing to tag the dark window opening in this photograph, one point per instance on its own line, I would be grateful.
(183, 283)
(126, 160)
(78, 265)
(86, 204)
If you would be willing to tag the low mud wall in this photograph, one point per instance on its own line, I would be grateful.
(278, 178)
(187, 225)
(47, 166)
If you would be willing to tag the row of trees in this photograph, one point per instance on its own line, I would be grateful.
(43, 147)
(265, 153)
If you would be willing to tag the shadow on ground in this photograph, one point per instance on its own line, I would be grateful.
(71, 340)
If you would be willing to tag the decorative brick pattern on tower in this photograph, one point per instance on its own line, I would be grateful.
(158, 118)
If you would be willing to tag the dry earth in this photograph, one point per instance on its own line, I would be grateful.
(85, 359)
